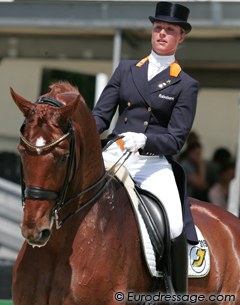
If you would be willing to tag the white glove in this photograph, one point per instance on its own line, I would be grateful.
(133, 141)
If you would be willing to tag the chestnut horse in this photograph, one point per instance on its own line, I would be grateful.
(82, 243)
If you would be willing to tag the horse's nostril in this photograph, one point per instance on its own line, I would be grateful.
(45, 234)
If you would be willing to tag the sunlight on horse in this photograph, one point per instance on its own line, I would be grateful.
(82, 242)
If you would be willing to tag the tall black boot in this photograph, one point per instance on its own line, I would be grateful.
(180, 264)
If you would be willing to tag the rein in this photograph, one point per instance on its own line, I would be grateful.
(91, 200)
(38, 193)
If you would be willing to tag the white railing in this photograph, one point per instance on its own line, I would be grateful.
(234, 192)
(10, 218)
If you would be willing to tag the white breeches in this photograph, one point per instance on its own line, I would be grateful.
(153, 173)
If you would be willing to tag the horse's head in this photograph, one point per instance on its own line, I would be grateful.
(50, 157)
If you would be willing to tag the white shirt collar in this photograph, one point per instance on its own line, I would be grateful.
(161, 61)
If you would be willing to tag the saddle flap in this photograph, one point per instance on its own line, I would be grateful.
(153, 218)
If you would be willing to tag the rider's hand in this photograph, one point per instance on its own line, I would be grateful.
(133, 141)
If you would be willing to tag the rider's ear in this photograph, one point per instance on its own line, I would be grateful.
(24, 105)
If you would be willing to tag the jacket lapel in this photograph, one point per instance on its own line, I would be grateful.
(166, 78)
(139, 73)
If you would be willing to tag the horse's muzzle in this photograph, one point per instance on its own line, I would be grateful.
(36, 238)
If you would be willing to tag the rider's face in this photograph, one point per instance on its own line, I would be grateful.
(166, 37)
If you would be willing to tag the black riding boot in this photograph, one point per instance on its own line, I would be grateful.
(179, 264)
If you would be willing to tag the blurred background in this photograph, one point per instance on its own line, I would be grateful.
(83, 42)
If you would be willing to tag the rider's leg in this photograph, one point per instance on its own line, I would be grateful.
(179, 264)
(160, 180)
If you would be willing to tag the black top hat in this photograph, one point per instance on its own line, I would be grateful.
(173, 13)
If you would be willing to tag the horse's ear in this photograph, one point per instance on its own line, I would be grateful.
(24, 105)
(67, 111)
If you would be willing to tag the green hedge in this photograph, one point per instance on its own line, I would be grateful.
(6, 302)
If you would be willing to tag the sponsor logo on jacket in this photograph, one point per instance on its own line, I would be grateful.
(166, 97)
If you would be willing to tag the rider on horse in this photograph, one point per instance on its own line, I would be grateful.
(157, 105)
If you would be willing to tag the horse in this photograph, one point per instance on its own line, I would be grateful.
(82, 244)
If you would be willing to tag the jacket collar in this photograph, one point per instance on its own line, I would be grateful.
(175, 68)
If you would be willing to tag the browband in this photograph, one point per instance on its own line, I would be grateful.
(50, 101)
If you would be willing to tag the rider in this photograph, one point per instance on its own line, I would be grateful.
(157, 104)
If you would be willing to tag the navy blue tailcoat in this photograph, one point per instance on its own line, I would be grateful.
(162, 108)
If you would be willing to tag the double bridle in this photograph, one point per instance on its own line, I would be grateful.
(38, 193)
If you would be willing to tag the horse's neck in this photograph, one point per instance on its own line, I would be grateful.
(90, 167)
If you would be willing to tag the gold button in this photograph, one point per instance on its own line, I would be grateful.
(145, 123)
(149, 109)
(125, 119)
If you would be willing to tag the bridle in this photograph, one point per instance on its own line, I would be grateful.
(38, 193)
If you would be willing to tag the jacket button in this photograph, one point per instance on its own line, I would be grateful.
(149, 109)
(125, 119)
(129, 104)
(145, 123)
